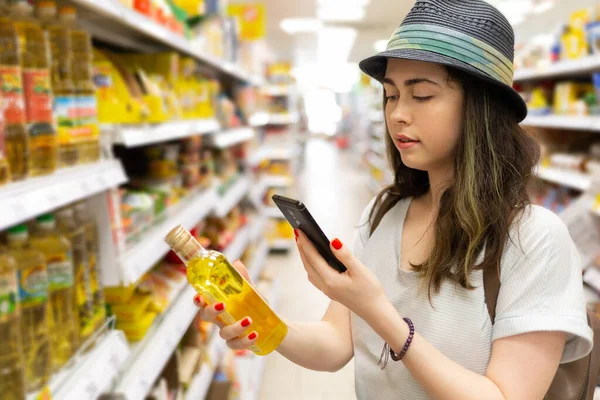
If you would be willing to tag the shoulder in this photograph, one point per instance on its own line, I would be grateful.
(537, 232)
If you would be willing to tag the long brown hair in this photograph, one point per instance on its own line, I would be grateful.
(494, 162)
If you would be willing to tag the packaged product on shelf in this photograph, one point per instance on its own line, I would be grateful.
(85, 219)
(118, 294)
(63, 87)
(59, 262)
(136, 330)
(37, 90)
(86, 133)
(572, 98)
(189, 364)
(133, 310)
(118, 95)
(16, 137)
(12, 374)
(33, 297)
(68, 226)
(227, 286)
(137, 213)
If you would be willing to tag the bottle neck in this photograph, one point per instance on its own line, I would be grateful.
(185, 245)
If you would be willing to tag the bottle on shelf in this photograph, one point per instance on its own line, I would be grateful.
(32, 278)
(83, 218)
(85, 91)
(75, 233)
(59, 264)
(211, 274)
(35, 62)
(12, 374)
(63, 87)
(16, 138)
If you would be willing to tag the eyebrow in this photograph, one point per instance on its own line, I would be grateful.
(410, 82)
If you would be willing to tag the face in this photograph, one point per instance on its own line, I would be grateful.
(423, 113)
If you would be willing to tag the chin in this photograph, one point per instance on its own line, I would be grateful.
(415, 162)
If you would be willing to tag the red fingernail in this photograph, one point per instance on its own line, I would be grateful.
(296, 233)
(252, 336)
(246, 322)
(336, 244)
(197, 299)
(220, 307)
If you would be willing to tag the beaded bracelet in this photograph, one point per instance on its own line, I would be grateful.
(388, 352)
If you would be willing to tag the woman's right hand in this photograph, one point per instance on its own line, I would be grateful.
(233, 334)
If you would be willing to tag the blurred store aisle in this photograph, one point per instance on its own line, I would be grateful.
(334, 188)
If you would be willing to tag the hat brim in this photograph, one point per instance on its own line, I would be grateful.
(376, 65)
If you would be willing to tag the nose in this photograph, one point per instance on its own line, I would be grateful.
(399, 113)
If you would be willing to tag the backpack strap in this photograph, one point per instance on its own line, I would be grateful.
(491, 289)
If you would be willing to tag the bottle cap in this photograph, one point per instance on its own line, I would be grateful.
(17, 233)
(46, 218)
(67, 13)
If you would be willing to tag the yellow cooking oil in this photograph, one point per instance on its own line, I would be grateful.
(82, 295)
(35, 62)
(59, 264)
(63, 87)
(211, 274)
(16, 138)
(32, 280)
(12, 374)
(84, 218)
(87, 130)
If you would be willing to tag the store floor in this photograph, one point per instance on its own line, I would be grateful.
(333, 186)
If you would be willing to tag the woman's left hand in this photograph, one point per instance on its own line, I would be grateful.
(358, 288)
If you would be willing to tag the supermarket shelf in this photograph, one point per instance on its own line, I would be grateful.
(258, 263)
(115, 23)
(239, 244)
(283, 119)
(231, 137)
(233, 196)
(259, 119)
(570, 179)
(138, 259)
(563, 68)
(134, 136)
(276, 181)
(281, 244)
(92, 373)
(155, 351)
(201, 382)
(274, 153)
(277, 90)
(24, 200)
(583, 123)
(258, 229)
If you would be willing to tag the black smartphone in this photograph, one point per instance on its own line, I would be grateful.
(298, 216)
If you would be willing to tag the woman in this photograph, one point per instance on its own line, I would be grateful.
(458, 206)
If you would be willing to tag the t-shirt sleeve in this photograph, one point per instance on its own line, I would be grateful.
(541, 285)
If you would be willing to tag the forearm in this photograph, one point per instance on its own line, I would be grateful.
(317, 346)
(439, 376)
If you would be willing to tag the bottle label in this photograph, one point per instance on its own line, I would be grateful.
(60, 271)
(9, 295)
(38, 95)
(87, 118)
(33, 285)
(65, 113)
(12, 94)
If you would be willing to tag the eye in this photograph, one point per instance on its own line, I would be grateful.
(394, 97)
(422, 99)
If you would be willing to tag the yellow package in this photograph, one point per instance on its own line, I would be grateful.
(118, 294)
(132, 310)
(118, 103)
(136, 330)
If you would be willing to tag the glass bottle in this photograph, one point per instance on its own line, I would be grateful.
(211, 274)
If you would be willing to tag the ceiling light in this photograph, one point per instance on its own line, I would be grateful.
(380, 45)
(299, 25)
(335, 44)
(341, 14)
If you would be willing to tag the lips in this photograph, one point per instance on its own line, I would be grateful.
(404, 142)
(405, 139)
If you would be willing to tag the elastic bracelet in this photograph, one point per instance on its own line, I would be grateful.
(388, 352)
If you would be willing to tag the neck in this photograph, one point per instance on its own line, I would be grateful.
(439, 181)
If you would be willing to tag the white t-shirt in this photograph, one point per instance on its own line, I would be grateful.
(541, 290)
